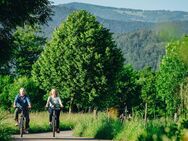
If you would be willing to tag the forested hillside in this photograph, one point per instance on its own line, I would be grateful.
(135, 31)
(143, 48)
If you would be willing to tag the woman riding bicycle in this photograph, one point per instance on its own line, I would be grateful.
(54, 103)
(22, 102)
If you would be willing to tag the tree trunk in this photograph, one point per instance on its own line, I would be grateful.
(70, 107)
(145, 114)
(95, 113)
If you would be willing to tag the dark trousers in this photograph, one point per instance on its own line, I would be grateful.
(57, 113)
(25, 114)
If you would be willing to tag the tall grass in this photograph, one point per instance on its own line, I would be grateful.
(39, 122)
(102, 127)
(4, 131)
(131, 130)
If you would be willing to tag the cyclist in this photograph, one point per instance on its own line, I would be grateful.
(54, 101)
(22, 101)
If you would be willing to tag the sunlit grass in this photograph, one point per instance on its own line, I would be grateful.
(101, 127)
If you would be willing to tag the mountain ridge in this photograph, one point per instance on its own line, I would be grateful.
(129, 14)
(137, 39)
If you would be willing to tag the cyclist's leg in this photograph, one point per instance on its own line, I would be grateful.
(16, 113)
(50, 115)
(57, 118)
(27, 119)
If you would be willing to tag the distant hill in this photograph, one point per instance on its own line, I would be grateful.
(135, 30)
(124, 14)
(118, 20)
(143, 48)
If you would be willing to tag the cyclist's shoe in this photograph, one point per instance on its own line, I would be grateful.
(26, 131)
(16, 124)
(57, 131)
(50, 123)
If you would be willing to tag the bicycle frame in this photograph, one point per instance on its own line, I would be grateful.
(53, 121)
(21, 122)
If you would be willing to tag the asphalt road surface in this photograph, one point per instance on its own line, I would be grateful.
(62, 136)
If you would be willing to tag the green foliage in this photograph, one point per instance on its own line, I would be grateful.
(30, 12)
(147, 81)
(99, 128)
(131, 130)
(28, 44)
(129, 91)
(143, 48)
(9, 89)
(160, 133)
(35, 94)
(81, 61)
(171, 74)
(5, 84)
(4, 131)
(169, 31)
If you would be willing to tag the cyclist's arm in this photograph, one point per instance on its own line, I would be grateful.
(48, 102)
(28, 101)
(15, 101)
(60, 102)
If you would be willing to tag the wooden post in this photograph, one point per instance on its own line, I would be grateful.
(70, 107)
(95, 113)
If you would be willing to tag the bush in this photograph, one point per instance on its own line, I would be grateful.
(5, 83)
(4, 131)
(9, 89)
(35, 94)
(160, 132)
(99, 128)
(131, 130)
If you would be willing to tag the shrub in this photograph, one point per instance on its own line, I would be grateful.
(5, 83)
(4, 131)
(9, 89)
(100, 128)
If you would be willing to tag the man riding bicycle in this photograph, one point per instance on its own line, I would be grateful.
(22, 102)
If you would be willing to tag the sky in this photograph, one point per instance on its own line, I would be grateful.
(173, 5)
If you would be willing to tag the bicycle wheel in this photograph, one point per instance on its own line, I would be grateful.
(53, 125)
(21, 125)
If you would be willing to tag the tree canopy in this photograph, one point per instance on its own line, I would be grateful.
(81, 60)
(28, 44)
(17, 13)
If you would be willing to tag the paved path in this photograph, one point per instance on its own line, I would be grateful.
(62, 136)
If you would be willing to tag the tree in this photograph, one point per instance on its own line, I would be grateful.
(28, 44)
(5, 82)
(128, 95)
(148, 91)
(16, 13)
(82, 61)
(10, 88)
(173, 70)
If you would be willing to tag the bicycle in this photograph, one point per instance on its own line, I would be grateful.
(53, 124)
(53, 121)
(21, 122)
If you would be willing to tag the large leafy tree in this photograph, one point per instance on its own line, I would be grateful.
(16, 13)
(81, 60)
(128, 94)
(173, 70)
(148, 91)
(28, 44)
